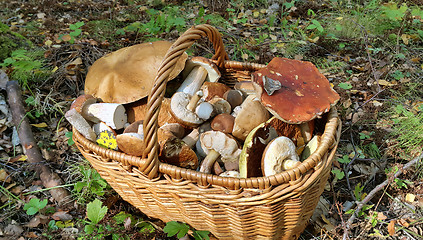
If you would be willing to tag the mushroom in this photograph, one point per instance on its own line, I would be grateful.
(220, 105)
(252, 113)
(80, 124)
(246, 87)
(175, 151)
(128, 74)
(230, 173)
(217, 144)
(213, 89)
(234, 97)
(113, 114)
(294, 91)
(131, 141)
(204, 110)
(279, 155)
(223, 122)
(311, 146)
(137, 111)
(257, 140)
(181, 108)
(198, 70)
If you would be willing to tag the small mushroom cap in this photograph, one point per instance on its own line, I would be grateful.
(127, 74)
(138, 110)
(134, 127)
(213, 73)
(131, 143)
(213, 89)
(178, 109)
(304, 93)
(223, 122)
(276, 153)
(80, 102)
(252, 113)
(222, 143)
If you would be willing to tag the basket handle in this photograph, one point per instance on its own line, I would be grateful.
(156, 96)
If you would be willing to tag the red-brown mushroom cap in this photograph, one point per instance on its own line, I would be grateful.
(128, 74)
(304, 93)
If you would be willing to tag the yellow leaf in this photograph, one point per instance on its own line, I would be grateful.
(54, 69)
(314, 40)
(385, 83)
(40, 125)
(410, 197)
(48, 43)
(339, 18)
(23, 158)
(405, 38)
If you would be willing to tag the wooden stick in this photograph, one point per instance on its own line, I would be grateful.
(48, 178)
(379, 187)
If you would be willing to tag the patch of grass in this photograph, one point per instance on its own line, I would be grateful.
(104, 29)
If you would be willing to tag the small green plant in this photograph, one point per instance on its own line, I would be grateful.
(70, 140)
(75, 32)
(339, 174)
(345, 86)
(90, 184)
(400, 183)
(95, 213)
(34, 206)
(181, 229)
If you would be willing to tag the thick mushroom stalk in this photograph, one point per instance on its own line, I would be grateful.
(217, 144)
(198, 70)
(279, 155)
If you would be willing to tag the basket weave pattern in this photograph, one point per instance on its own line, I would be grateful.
(274, 207)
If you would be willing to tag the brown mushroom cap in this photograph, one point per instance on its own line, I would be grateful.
(304, 94)
(127, 74)
(80, 102)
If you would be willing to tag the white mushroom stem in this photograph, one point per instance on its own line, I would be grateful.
(191, 138)
(307, 130)
(194, 100)
(113, 114)
(204, 110)
(80, 124)
(208, 162)
(193, 81)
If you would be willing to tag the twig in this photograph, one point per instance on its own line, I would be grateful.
(379, 187)
(31, 149)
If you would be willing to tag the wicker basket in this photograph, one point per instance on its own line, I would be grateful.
(274, 207)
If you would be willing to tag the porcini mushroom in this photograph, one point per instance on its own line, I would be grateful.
(279, 155)
(175, 151)
(182, 109)
(198, 70)
(294, 91)
(131, 141)
(127, 74)
(252, 113)
(217, 144)
(80, 124)
(223, 122)
(213, 89)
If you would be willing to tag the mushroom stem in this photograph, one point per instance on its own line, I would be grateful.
(191, 138)
(81, 124)
(194, 100)
(113, 114)
(194, 80)
(208, 162)
(307, 130)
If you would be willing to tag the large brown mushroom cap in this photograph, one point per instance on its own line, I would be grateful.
(304, 92)
(127, 74)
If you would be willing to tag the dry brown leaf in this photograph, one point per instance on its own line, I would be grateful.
(66, 38)
(61, 216)
(403, 223)
(4, 176)
(381, 216)
(37, 220)
(391, 227)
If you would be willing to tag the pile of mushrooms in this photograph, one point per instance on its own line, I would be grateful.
(257, 128)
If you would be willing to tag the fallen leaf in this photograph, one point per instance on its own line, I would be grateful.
(377, 103)
(391, 227)
(403, 223)
(313, 40)
(37, 220)
(13, 230)
(66, 38)
(4, 176)
(39, 125)
(405, 38)
(127, 223)
(381, 216)
(61, 216)
(410, 197)
(385, 83)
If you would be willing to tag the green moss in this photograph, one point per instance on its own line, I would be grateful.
(10, 41)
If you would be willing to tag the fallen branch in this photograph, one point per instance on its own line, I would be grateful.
(48, 178)
(379, 187)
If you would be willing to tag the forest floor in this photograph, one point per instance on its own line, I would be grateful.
(370, 51)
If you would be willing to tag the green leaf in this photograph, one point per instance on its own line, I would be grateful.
(345, 86)
(200, 235)
(88, 229)
(76, 32)
(80, 185)
(31, 211)
(95, 211)
(121, 217)
(344, 159)
(339, 174)
(358, 191)
(311, 26)
(79, 24)
(172, 228)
